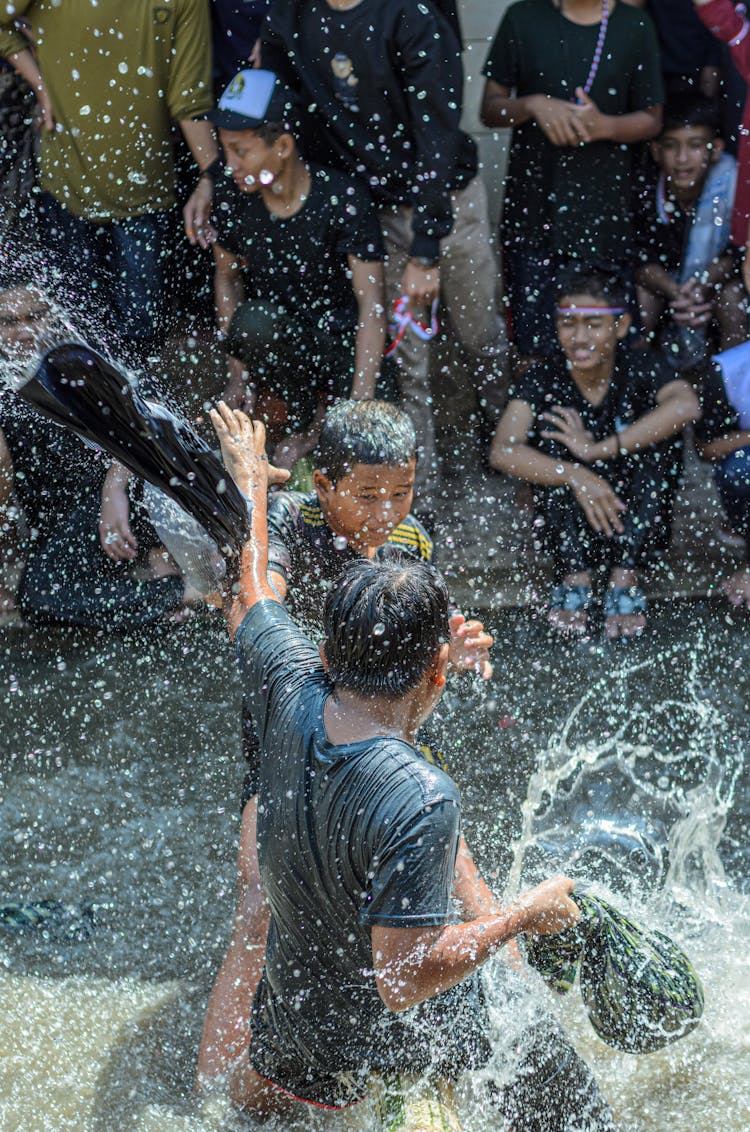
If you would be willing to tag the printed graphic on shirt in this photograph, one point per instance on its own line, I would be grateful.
(346, 82)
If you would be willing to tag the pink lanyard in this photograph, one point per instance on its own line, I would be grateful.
(403, 318)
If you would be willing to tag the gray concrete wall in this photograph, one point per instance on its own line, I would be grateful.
(480, 20)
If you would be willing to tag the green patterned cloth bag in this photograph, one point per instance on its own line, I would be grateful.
(640, 990)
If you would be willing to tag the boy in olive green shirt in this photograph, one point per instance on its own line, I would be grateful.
(110, 80)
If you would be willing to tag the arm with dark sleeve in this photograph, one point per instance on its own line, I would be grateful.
(433, 85)
(276, 662)
(730, 24)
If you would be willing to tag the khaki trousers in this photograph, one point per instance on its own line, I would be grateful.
(468, 286)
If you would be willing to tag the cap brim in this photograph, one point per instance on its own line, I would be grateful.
(230, 120)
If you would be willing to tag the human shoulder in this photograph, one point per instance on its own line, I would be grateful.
(415, 782)
(411, 537)
(645, 370)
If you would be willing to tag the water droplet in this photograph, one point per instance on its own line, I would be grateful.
(340, 542)
(378, 629)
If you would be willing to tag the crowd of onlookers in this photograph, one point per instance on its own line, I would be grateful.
(292, 177)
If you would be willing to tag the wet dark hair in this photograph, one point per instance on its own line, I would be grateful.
(691, 108)
(383, 623)
(606, 286)
(364, 432)
(270, 132)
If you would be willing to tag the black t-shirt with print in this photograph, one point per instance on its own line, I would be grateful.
(656, 240)
(572, 200)
(300, 261)
(349, 837)
(307, 554)
(386, 81)
(638, 376)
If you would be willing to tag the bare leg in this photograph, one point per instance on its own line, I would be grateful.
(226, 1030)
(730, 310)
(258, 1097)
(624, 624)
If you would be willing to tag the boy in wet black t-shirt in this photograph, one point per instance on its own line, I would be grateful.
(298, 267)
(593, 430)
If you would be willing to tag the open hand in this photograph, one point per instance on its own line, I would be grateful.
(243, 449)
(692, 306)
(601, 504)
(470, 646)
(421, 285)
(548, 909)
(555, 118)
(569, 430)
(118, 541)
(197, 214)
(589, 122)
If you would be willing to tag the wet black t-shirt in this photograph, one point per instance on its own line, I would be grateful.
(638, 377)
(349, 837)
(572, 200)
(300, 262)
(307, 554)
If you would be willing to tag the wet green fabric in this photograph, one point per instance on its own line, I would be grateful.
(639, 988)
(118, 74)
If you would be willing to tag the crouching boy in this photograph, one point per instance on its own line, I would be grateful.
(594, 429)
(689, 274)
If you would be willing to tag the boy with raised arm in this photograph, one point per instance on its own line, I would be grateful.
(360, 508)
(365, 970)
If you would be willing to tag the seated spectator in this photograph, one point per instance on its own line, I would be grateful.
(307, 316)
(689, 274)
(593, 429)
(56, 480)
(723, 436)
(578, 87)
(108, 100)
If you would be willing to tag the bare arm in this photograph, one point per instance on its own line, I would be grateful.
(243, 450)
(554, 116)
(368, 283)
(413, 964)
(714, 450)
(676, 406)
(656, 279)
(201, 140)
(229, 292)
(470, 891)
(117, 539)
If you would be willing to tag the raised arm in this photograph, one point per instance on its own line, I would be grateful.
(229, 292)
(243, 450)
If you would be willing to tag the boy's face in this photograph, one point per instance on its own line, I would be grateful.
(684, 156)
(588, 331)
(368, 503)
(248, 156)
(24, 317)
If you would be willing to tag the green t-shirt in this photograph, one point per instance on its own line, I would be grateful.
(572, 201)
(118, 72)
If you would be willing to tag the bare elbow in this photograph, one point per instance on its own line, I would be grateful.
(397, 998)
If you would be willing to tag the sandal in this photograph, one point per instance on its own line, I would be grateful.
(571, 599)
(624, 601)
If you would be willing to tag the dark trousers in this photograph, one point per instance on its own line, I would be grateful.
(114, 272)
(733, 483)
(646, 483)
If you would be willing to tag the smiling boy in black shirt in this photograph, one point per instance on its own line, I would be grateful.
(306, 317)
(593, 432)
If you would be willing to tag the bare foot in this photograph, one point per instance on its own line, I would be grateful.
(161, 564)
(737, 588)
(564, 619)
(625, 624)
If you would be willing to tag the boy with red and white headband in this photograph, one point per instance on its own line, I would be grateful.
(595, 430)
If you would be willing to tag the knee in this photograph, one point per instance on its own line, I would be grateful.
(731, 302)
